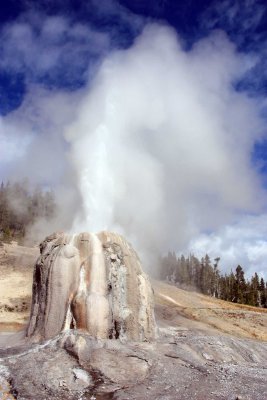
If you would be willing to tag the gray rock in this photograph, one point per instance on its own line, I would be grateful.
(82, 377)
(208, 356)
(76, 284)
(113, 257)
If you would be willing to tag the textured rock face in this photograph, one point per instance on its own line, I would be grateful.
(92, 282)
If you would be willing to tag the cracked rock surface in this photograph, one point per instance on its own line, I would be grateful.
(180, 364)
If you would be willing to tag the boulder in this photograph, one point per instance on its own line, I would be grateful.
(92, 282)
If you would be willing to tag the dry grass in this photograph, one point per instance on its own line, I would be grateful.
(12, 326)
(16, 268)
(235, 319)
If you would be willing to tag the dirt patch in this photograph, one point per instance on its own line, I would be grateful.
(209, 313)
(12, 326)
(16, 269)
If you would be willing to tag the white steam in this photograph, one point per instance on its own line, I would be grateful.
(158, 147)
(162, 142)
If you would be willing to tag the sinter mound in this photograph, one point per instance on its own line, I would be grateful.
(92, 282)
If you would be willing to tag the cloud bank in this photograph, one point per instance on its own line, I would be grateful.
(241, 243)
(158, 147)
(51, 49)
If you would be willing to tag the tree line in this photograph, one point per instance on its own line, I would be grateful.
(205, 276)
(21, 206)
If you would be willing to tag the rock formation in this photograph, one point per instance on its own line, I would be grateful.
(92, 282)
(198, 352)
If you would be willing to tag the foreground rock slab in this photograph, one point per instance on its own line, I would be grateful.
(179, 365)
(189, 358)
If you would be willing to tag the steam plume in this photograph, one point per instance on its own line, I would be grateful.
(162, 142)
(159, 146)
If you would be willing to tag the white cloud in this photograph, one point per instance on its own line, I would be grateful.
(39, 45)
(113, 9)
(244, 243)
(13, 143)
(240, 15)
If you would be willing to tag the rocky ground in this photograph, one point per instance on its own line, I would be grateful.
(206, 349)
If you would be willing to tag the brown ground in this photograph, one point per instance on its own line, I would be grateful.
(16, 268)
(207, 349)
(194, 310)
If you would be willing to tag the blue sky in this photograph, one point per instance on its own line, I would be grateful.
(115, 24)
(79, 34)
(178, 86)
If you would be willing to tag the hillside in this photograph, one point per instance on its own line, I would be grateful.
(206, 349)
(191, 310)
(16, 268)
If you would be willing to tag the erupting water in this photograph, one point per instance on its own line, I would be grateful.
(97, 303)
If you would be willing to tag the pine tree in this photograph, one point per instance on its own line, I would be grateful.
(216, 279)
(239, 285)
(263, 298)
(20, 208)
(255, 289)
(208, 279)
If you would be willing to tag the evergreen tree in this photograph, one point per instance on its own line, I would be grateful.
(239, 285)
(255, 290)
(20, 208)
(263, 297)
(207, 278)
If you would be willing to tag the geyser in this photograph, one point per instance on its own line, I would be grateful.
(92, 282)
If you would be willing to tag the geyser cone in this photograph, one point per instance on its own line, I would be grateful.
(91, 282)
